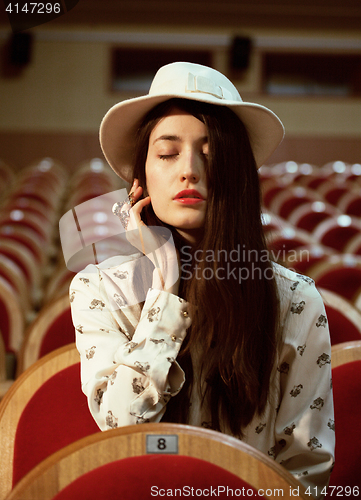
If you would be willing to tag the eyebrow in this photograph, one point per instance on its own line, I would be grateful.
(176, 138)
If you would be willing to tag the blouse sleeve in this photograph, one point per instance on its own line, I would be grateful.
(305, 435)
(128, 366)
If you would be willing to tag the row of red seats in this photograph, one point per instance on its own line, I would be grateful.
(311, 235)
(86, 218)
(91, 192)
(32, 269)
(28, 215)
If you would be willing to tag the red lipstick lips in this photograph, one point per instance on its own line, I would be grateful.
(189, 197)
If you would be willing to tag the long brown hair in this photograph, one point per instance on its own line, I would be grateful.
(231, 291)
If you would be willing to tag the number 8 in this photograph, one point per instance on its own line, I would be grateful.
(162, 444)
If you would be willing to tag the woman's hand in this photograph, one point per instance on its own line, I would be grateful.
(136, 207)
(155, 243)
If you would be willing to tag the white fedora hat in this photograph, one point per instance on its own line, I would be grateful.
(188, 81)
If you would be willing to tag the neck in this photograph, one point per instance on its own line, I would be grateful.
(191, 236)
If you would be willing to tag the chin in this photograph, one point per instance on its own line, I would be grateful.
(188, 227)
(181, 224)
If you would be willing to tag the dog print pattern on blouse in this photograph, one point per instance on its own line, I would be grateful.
(129, 366)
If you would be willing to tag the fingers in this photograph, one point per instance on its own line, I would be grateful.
(135, 192)
(137, 206)
(130, 209)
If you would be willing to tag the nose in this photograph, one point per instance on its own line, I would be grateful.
(192, 168)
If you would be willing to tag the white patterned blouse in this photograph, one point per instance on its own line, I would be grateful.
(129, 369)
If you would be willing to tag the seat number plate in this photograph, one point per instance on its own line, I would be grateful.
(162, 443)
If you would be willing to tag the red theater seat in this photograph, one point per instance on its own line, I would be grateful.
(354, 245)
(350, 203)
(120, 479)
(122, 464)
(288, 239)
(5, 383)
(12, 319)
(286, 201)
(332, 190)
(43, 411)
(270, 188)
(339, 273)
(343, 318)
(346, 375)
(337, 232)
(52, 328)
(308, 215)
(304, 257)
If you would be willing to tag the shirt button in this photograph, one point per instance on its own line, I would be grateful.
(185, 314)
(174, 338)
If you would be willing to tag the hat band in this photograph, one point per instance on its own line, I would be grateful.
(195, 84)
(205, 85)
(198, 83)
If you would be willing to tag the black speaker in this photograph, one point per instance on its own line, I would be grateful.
(240, 52)
(20, 49)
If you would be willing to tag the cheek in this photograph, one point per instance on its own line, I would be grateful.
(151, 184)
(156, 189)
(148, 181)
(155, 179)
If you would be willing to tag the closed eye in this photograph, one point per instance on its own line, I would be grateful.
(168, 157)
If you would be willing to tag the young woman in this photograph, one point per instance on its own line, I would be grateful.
(237, 343)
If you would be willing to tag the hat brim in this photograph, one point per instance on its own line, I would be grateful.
(120, 124)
